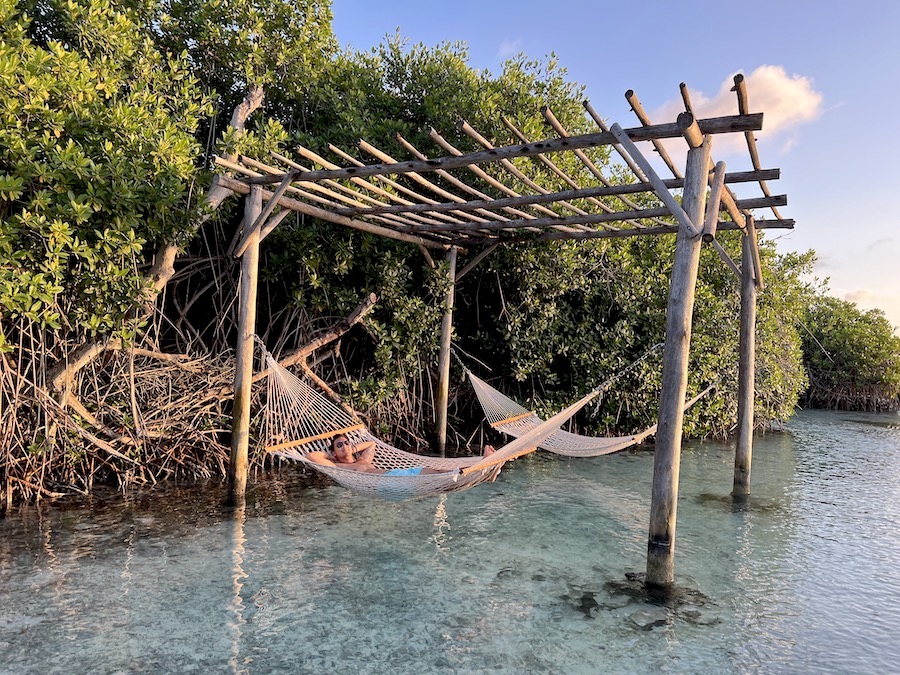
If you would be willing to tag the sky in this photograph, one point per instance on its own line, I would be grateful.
(824, 74)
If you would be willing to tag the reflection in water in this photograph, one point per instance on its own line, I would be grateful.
(310, 578)
(235, 626)
(441, 525)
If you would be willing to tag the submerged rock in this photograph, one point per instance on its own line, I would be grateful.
(648, 618)
(588, 604)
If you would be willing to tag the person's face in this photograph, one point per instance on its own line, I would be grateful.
(343, 451)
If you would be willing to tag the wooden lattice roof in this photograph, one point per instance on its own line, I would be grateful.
(424, 200)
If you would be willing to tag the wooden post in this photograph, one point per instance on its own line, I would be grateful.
(667, 460)
(746, 368)
(240, 415)
(442, 395)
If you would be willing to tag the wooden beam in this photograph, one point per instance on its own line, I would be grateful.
(243, 375)
(257, 226)
(638, 110)
(740, 88)
(658, 186)
(273, 223)
(527, 200)
(715, 125)
(428, 259)
(490, 180)
(754, 250)
(394, 184)
(335, 197)
(589, 219)
(442, 395)
(743, 450)
(309, 210)
(715, 197)
(723, 254)
(511, 168)
(724, 225)
(481, 255)
(679, 311)
(728, 197)
(557, 126)
(424, 182)
(453, 180)
(616, 146)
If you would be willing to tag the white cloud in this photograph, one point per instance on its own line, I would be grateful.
(509, 48)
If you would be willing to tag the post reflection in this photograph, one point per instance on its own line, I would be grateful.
(238, 576)
(441, 536)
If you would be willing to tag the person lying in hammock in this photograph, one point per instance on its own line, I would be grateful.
(346, 455)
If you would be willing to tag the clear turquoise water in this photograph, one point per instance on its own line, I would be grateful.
(525, 575)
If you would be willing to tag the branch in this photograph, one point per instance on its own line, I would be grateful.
(163, 268)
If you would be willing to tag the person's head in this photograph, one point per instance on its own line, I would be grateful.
(342, 449)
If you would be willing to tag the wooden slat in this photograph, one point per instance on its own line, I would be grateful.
(638, 110)
(588, 219)
(317, 437)
(740, 88)
(724, 225)
(526, 200)
(308, 209)
(510, 420)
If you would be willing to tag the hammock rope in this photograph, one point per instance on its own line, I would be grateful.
(509, 417)
(299, 420)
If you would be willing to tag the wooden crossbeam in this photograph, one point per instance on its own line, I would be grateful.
(526, 200)
(714, 125)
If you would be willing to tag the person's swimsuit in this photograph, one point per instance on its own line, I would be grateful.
(411, 471)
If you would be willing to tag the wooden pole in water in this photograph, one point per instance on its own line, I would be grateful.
(667, 460)
(442, 395)
(243, 375)
(746, 367)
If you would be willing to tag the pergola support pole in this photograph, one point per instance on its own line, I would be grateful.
(667, 460)
(746, 369)
(243, 376)
(442, 395)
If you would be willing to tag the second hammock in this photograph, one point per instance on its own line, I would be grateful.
(513, 419)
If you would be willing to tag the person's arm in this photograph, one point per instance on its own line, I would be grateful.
(320, 457)
(365, 451)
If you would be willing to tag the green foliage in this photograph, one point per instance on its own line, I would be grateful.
(277, 44)
(103, 124)
(853, 356)
(96, 161)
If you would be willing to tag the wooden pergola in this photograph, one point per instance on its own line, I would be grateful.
(423, 200)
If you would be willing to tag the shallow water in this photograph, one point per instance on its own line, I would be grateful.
(528, 575)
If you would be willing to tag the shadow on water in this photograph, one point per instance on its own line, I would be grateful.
(739, 503)
(875, 423)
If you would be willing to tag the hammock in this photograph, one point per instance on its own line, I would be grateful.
(299, 420)
(507, 416)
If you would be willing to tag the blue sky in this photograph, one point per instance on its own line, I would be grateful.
(826, 75)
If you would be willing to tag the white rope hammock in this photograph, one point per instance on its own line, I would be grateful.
(299, 420)
(507, 416)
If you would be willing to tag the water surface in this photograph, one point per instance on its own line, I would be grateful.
(531, 574)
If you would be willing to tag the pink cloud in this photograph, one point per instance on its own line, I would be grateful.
(787, 102)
